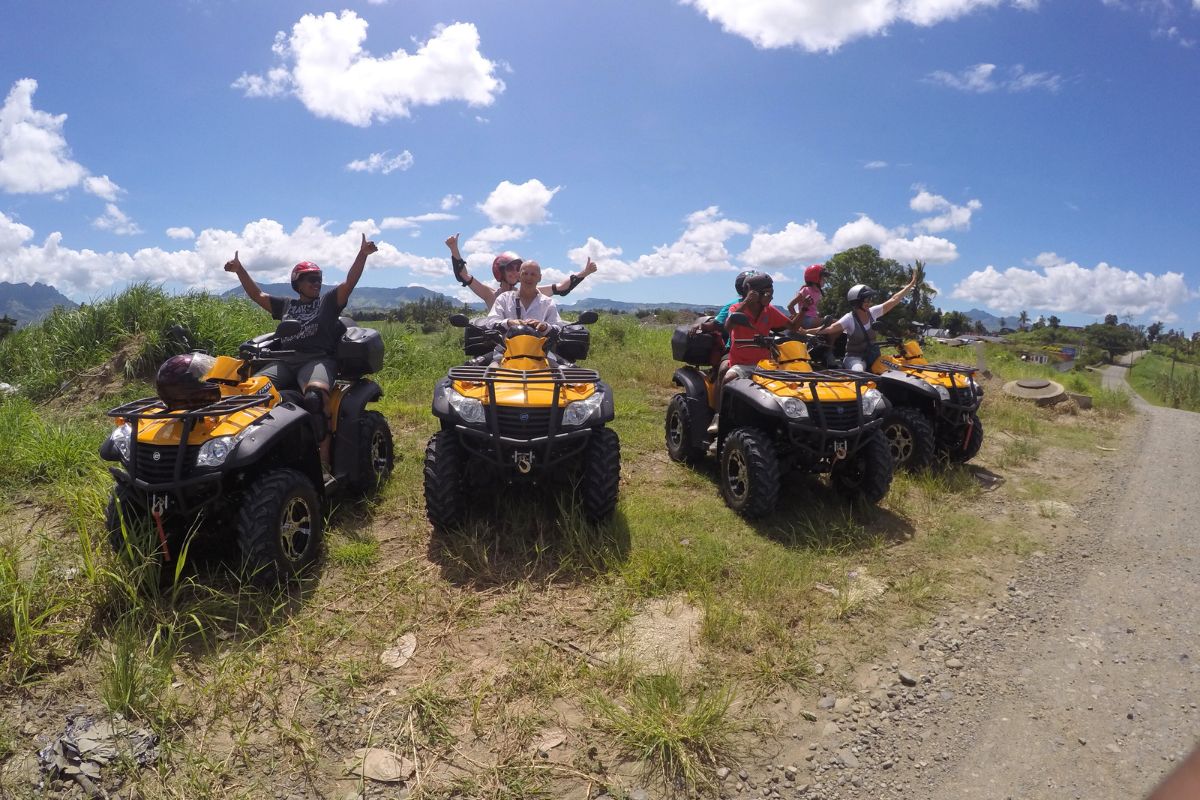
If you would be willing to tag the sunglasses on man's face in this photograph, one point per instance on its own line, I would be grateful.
(310, 278)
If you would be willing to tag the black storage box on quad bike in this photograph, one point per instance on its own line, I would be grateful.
(359, 352)
(691, 346)
(573, 342)
(476, 341)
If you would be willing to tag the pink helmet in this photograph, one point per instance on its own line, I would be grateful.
(302, 269)
(504, 261)
(814, 273)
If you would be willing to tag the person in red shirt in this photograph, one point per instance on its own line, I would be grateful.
(764, 318)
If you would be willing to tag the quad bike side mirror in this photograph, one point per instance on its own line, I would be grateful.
(826, 320)
(288, 327)
(459, 320)
(588, 317)
(737, 318)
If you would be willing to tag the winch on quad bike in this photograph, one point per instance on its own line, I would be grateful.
(223, 450)
(785, 416)
(524, 413)
(935, 406)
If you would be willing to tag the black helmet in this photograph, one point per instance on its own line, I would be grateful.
(859, 293)
(759, 282)
(739, 283)
(180, 381)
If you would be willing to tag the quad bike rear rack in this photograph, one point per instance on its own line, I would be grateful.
(558, 376)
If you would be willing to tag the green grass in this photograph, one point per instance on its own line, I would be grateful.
(519, 614)
(1154, 379)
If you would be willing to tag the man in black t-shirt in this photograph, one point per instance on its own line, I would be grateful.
(313, 368)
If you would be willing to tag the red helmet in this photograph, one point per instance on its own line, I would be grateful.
(304, 268)
(181, 381)
(814, 273)
(504, 261)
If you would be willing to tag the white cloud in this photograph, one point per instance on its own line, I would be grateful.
(34, 156)
(265, 247)
(12, 235)
(982, 78)
(863, 230)
(930, 249)
(793, 244)
(1066, 287)
(518, 204)
(102, 187)
(951, 217)
(451, 201)
(416, 221)
(324, 65)
(379, 162)
(701, 248)
(825, 25)
(875, 165)
(115, 220)
(181, 233)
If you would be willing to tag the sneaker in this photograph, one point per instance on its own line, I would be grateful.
(714, 427)
(326, 474)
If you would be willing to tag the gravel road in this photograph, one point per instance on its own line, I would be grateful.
(1082, 682)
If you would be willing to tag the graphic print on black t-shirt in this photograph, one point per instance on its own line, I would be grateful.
(319, 329)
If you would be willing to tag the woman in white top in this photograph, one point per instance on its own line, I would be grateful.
(857, 324)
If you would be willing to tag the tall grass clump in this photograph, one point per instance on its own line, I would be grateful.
(1163, 383)
(36, 451)
(137, 323)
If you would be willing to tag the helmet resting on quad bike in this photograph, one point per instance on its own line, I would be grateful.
(302, 269)
(503, 262)
(180, 381)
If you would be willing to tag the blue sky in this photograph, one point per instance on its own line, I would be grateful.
(1039, 155)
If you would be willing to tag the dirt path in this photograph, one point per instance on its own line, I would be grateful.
(1081, 682)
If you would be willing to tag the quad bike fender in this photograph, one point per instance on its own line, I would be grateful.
(441, 406)
(743, 397)
(284, 438)
(608, 410)
(902, 389)
(349, 411)
(695, 393)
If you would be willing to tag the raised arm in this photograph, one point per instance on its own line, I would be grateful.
(565, 286)
(356, 270)
(894, 300)
(485, 293)
(251, 288)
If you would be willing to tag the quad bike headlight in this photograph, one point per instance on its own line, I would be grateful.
(214, 452)
(468, 409)
(581, 411)
(793, 407)
(120, 439)
(872, 402)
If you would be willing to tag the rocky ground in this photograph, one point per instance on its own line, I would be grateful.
(1077, 681)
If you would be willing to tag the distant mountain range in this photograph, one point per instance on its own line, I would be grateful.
(28, 303)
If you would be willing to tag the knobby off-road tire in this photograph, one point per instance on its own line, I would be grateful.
(601, 474)
(749, 473)
(959, 453)
(910, 438)
(280, 526)
(444, 480)
(681, 444)
(375, 453)
(866, 474)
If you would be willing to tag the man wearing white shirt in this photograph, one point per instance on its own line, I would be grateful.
(525, 304)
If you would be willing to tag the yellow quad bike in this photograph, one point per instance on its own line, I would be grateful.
(935, 406)
(525, 414)
(785, 416)
(228, 453)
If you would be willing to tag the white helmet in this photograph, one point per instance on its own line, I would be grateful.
(859, 293)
